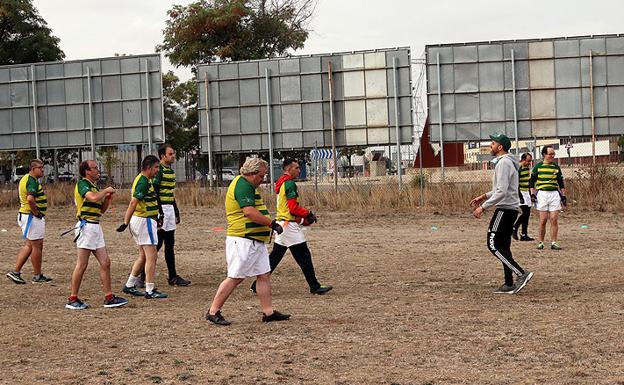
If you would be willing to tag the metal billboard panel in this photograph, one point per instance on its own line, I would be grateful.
(298, 98)
(539, 88)
(60, 95)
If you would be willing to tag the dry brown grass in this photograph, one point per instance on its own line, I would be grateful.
(599, 188)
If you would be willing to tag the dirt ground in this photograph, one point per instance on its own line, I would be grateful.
(412, 304)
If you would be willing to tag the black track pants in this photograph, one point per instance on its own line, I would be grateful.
(168, 238)
(499, 242)
(523, 220)
(302, 256)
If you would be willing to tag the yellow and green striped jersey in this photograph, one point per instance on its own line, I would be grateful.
(143, 190)
(546, 177)
(241, 194)
(164, 183)
(85, 209)
(525, 178)
(29, 185)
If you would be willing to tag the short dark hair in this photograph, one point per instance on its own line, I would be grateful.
(162, 150)
(35, 163)
(149, 161)
(84, 167)
(524, 155)
(287, 162)
(545, 149)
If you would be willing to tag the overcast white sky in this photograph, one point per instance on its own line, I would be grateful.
(96, 28)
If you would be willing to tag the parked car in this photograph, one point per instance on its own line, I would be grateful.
(19, 173)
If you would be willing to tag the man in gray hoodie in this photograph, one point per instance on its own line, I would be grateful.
(505, 198)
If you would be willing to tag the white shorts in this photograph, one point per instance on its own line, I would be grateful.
(32, 228)
(246, 258)
(292, 235)
(143, 231)
(91, 236)
(548, 201)
(527, 198)
(169, 219)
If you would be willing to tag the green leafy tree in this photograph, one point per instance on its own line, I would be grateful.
(210, 30)
(180, 107)
(24, 35)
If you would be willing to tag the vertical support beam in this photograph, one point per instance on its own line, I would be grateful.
(315, 169)
(515, 106)
(422, 180)
(333, 125)
(91, 128)
(395, 72)
(149, 108)
(36, 118)
(591, 102)
(207, 100)
(440, 116)
(269, 124)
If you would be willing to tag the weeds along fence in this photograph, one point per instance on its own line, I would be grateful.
(599, 188)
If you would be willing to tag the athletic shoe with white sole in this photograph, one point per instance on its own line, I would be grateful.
(540, 246)
(555, 246)
(40, 279)
(155, 294)
(522, 281)
(505, 289)
(16, 277)
(115, 302)
(133, 291)
(77, 304)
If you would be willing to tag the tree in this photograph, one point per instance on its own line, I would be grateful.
(25, 35)
(180, 107)
(210, 30)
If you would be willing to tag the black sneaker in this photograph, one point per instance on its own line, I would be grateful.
(40, 279)
(155, 294)
(515, 234)
(322, 289)
(133, 291)
(16, 277)
(217, 319)
(525, 237)
(115, 302)
(275, 316)
(522, 281)
(252, 288)
(505, 289)
(178, 281)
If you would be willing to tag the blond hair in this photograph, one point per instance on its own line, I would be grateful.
(253, 165)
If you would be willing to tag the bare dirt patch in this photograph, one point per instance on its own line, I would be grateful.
(412, 304)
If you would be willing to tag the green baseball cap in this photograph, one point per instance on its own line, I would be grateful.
(502, 139)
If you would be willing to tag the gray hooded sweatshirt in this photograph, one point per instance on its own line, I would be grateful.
(504, 194)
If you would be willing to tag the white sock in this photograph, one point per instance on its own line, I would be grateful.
(149, 287)
(132, 281)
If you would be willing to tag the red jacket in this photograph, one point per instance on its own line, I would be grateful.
(293, 205)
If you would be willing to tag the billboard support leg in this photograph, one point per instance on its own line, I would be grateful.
(210, 169)
(395, 72)
(149, 110)
(91, 133)
(440, 117)
(35, 117)
(515, 107)
(269, 126)
(591, 102)
(333, 125)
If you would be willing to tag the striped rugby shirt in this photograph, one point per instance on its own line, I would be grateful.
(29, 185)
(525, 178)
(85, 209)
(165, 183)
(546, 177)
(143, 190)
(241, 194)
